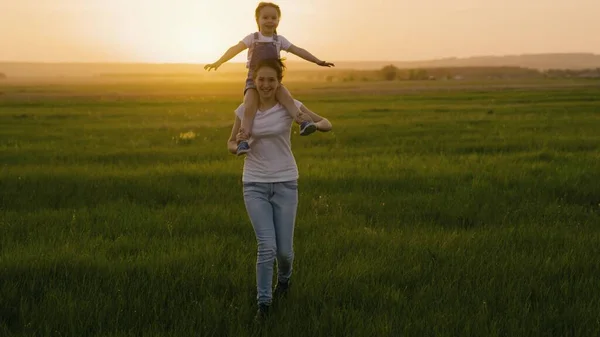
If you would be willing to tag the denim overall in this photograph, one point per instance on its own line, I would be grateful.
(260, 51)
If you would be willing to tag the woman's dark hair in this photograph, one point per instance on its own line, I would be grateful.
(276, 64)
(263, 5)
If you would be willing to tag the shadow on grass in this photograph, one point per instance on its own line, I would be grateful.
(78, 296)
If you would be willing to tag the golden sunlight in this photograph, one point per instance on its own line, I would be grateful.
(200, 31)
(185, 30)
(161, 32)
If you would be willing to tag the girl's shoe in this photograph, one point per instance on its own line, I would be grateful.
(242, 148)
(306, 128)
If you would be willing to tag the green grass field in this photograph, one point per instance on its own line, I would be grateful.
(432, 209)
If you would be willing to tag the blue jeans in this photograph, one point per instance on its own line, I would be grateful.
(272, 211)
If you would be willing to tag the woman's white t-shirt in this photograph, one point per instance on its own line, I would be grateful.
(270, 158)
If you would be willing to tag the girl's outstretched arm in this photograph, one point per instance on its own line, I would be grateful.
(229, 54)
(303, 53)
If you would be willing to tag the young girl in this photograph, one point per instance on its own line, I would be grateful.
(266, 44)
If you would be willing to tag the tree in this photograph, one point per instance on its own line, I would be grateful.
(389, 72)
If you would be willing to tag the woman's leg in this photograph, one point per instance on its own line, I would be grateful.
(260, 211)
(285, 205)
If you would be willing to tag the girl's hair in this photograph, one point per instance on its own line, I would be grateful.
(276, 64)
(263, 5)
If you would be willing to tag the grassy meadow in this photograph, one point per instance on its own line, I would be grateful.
(432, 209)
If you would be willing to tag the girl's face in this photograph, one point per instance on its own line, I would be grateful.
(266, 82)
(268, 20)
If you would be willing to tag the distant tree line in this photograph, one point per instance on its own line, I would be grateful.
(393, 73)
(570, 73)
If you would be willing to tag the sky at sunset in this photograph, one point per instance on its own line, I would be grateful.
(199, 31)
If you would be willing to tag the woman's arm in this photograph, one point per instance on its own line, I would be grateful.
(229, 54)
(232, 142)
(303, 53)
(322, 123)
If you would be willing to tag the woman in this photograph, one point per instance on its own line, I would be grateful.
(270, 181)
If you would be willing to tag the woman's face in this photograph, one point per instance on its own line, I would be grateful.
(266, 82)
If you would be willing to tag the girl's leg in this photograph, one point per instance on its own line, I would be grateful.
(284, 97)
(260, 211)
(250, 107)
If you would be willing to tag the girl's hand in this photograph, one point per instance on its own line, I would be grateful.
(214, 66)
(326, 64)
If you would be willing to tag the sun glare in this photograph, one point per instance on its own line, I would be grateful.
(200, 31)
(187, 32)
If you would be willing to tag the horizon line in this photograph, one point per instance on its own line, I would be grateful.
(301, 61)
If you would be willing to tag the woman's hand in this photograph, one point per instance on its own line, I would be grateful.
(241, 135)
(322, 124)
